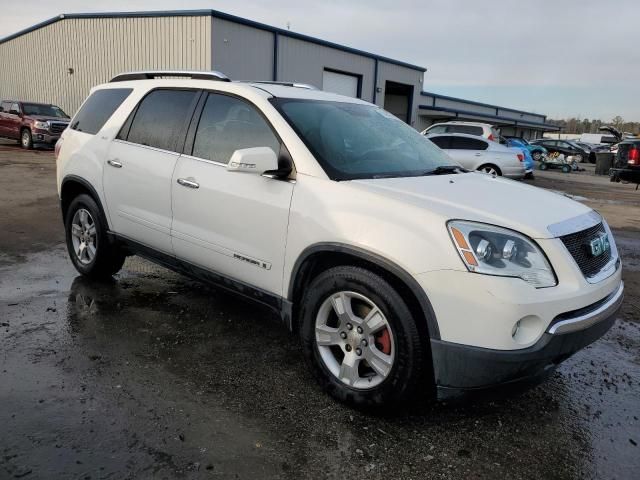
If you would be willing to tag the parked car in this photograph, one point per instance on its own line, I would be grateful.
(521, 146)
(484, 130)
(32, 123)
(537, 151)
(401, 272)
(566, 148)
(476, 153)
(626, 165)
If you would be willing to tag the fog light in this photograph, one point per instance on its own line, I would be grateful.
(527, 330)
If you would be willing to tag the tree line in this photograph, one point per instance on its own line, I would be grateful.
(584, 125)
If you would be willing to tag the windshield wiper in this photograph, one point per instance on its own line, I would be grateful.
(445, 169)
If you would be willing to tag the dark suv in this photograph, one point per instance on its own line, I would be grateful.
(626, 166)
(32, 123)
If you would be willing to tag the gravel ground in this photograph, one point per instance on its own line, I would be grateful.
(157, 376)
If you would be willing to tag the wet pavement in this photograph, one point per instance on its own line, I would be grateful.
(157, 376)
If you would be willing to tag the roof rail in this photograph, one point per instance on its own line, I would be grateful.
(285, 84)
(152, 74)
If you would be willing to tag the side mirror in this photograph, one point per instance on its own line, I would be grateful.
(253, 160)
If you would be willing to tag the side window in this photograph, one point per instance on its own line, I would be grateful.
(5, 107)
(98, 109)
(437, 129)
(160, 119)
(468, 129)
(228, 124)
(464, 143)
(442, 142)
(15, 107)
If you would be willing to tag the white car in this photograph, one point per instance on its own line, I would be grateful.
(475, 153)
(401, 273)
(485, 130)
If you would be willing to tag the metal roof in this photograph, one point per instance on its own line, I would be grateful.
(214, 14)
(480, 104)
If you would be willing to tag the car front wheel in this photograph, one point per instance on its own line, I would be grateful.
(26, 140)
(537, 156)
(360, 339)
(86, 233)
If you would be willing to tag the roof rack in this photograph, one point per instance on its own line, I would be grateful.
(152, 74)
(285, 84)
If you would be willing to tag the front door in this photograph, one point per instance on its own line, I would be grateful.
(139, 167)
(229, 222)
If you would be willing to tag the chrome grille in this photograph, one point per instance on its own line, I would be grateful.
(57, 127)
(578, 245)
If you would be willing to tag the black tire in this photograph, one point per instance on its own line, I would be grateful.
(406, 379)
(537, 155)
(544, 166)
(491, 165)
(26, 140)
(108, 258)
(566, 168)
(592, 158)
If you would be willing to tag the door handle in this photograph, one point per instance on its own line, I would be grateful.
(114, 163)
(188, 183)
(478, 154)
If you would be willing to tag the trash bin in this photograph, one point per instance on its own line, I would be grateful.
(604, 161)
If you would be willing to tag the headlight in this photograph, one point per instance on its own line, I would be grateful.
(41, 125)
(498, 251)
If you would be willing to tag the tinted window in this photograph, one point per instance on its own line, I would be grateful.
(98, 109)
(44, 110)
(468, 129)
(15, 107)
(437, 129)
(161, 118)
(442, 142)
(228, 124)
(464, 143)
(352, 140)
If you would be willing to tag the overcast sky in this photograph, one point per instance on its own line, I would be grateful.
(558, 57)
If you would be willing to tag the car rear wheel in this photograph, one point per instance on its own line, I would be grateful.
(490, 169)
(86, 233)
(360, 338)
(26, 140)
(537, 155)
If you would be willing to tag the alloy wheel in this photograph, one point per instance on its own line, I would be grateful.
(83, 236)
(354, 340)
(489, 170)
(25, 139)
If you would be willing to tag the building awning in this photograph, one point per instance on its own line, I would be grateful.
(450, 113)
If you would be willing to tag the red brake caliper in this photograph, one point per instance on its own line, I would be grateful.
(383, 341)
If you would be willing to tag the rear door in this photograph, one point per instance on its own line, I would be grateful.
(229, 222)
(140, 163)
(13, 121)
(4, 111)
(468, 152)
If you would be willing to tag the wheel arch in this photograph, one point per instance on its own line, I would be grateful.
(322, 256)
(71, 187)
(493, 165)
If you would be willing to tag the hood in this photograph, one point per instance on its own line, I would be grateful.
(45, 118)
(482, 198)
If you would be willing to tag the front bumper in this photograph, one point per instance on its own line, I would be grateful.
(463, 369)
(44, 137)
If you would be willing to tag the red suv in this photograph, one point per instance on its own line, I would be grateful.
(32, 123)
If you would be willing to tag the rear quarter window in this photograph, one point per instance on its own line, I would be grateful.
(98, 109)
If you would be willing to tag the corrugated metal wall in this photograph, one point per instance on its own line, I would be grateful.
(300, 61)
(242, 52)
(35, 66)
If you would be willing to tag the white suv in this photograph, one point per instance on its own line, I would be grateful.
(485, 130)
(401, 273)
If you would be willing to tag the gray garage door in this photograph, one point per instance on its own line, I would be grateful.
(340, 83)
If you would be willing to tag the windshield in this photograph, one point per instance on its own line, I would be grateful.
(43, 110)
(354, 141)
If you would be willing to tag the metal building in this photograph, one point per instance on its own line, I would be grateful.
(69, 54)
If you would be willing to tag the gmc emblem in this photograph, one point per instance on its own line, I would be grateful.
(599, 245)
